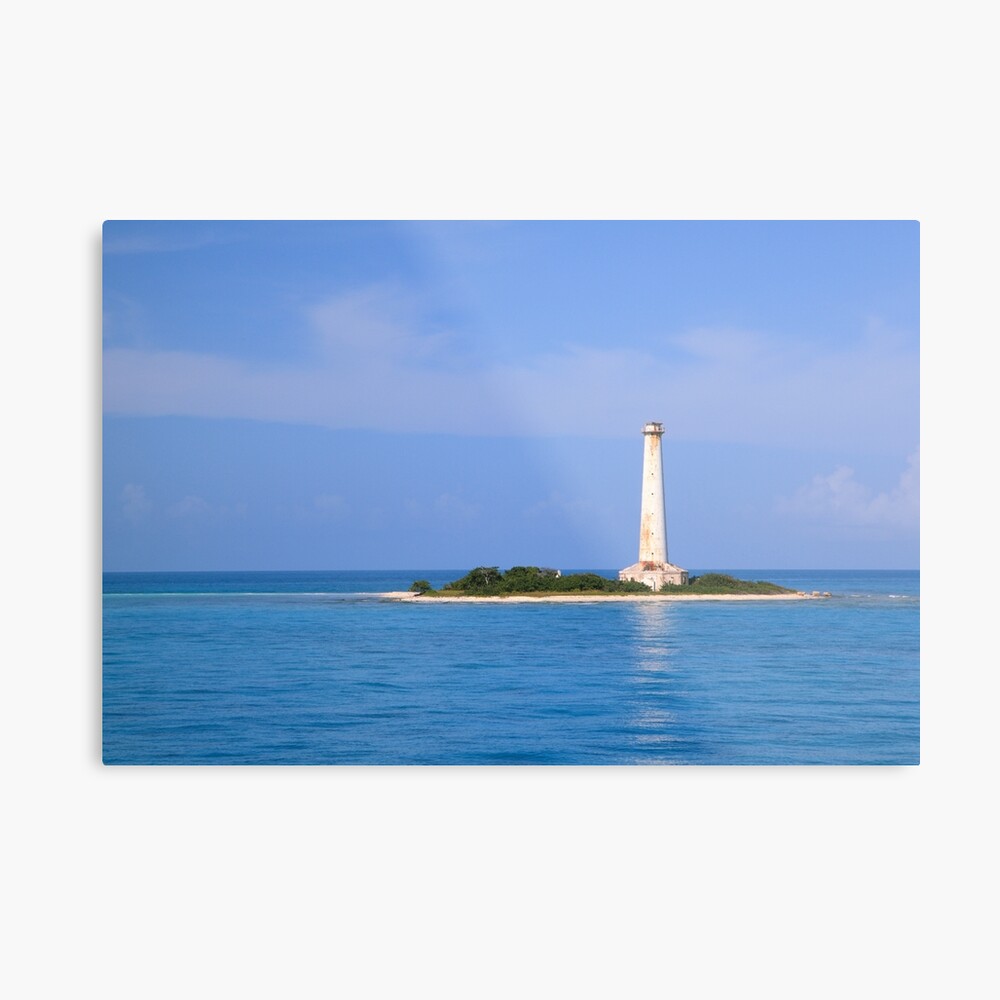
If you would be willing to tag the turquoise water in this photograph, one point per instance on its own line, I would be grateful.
(313, 668)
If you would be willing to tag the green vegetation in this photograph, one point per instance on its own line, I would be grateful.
(721, 583)
(488, 581)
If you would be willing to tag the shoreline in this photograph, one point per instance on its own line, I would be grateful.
(405, 595)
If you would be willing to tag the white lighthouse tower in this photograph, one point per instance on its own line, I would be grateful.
(652, 567)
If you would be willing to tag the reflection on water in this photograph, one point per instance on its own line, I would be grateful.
(653, 628)
(209, 670)
(652, 722)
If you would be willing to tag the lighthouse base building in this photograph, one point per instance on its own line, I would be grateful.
(654, 575)
(653, 569)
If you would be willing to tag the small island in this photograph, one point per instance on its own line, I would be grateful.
(527, 583)
(652, 578)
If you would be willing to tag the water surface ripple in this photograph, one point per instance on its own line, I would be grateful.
(274, 668)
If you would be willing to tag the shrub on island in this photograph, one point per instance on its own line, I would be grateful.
(722, 583)
(489, 581)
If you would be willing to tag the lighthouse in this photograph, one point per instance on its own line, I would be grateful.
(653, 569)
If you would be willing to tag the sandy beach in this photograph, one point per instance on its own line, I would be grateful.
(405, 595)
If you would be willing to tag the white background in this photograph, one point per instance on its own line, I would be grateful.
(686, 882)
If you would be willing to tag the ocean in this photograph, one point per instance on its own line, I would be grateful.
(314, 668)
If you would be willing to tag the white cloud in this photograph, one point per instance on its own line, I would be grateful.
(190, 506)
(724, 345)
(163, 240)
(373, 326)
(447, 509)
(331, 506)
(745, 388)
(135, 504)
(374, 368)
(454, 508)
(557, 505)
(839, 498)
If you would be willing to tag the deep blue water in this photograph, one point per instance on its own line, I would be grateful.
(312, 668)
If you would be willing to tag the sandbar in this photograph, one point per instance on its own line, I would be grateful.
(405, 595)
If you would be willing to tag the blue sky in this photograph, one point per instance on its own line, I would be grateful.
(441, 395)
